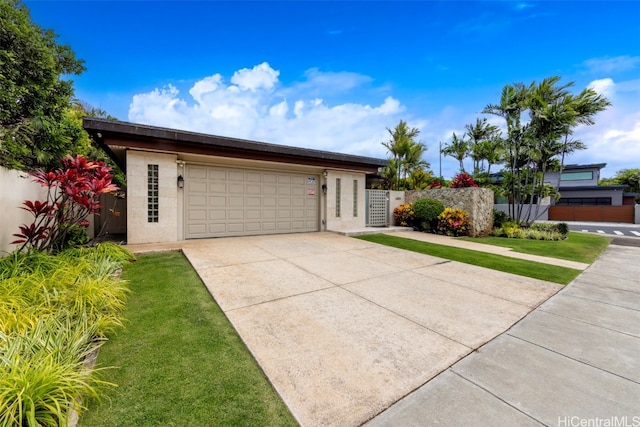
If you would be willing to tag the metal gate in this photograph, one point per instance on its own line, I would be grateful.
(377, 203)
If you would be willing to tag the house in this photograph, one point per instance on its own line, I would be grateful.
(186, 185)
(582, 199)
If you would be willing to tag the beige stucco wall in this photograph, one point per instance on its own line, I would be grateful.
(15, 188)
(396, 198)
(346, 220)
(139, 230)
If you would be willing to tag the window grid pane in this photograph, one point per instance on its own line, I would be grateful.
(152, 193)
(338, 197)
(355, 198)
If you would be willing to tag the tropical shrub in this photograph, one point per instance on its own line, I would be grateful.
(404, 215)
(426, 214)
(499, 218)
(73, 194)
(454, 222)
(463, 180)
(54, 311)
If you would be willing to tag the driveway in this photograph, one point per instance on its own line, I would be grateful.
(345, 328)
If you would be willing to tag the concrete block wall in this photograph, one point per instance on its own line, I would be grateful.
(478, 202)
(139, 230)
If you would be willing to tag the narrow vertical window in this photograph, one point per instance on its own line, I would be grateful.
(355, 198)
(337, 197)
(152, 193)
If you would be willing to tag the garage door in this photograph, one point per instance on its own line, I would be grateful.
(224, 202)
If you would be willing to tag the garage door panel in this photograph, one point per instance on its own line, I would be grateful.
(217, 228)
(197, 215)
(231, 202)
(236, 214)
(253, 177)
(253, 214)
(217, 215)
(215, 174)
(197, 200)
(253, 227)
(235, 175)
(235, 202)
(197, 187)
(236, 227)
(196, 172)
(217, 201)
(218, 188)
(253, 202)
(236, 189)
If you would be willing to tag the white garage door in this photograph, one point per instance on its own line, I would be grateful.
(237, 202)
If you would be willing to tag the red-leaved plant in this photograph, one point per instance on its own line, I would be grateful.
(463, 180)
(73, 194)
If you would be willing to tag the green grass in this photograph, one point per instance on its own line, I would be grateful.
(581, 247)
(179, 362)
(549, 273)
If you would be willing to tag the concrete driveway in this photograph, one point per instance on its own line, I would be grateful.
(345, 328)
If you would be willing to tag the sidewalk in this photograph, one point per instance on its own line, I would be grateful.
(572, 361)
(409, 233)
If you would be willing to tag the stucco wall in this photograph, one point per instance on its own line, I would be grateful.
(346, 220)
(396, 198)
(478, 202)
(15, 188)
(139, 230)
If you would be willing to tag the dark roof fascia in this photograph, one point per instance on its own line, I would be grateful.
(132, 135)
(591, 166)
(594, 187)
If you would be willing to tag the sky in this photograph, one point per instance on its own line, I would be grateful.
(336, 75)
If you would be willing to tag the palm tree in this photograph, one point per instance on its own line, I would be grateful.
(406, 154)
(458, 149)
(531, 149)
(479, 145)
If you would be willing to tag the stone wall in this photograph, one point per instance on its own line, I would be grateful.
(478, 202)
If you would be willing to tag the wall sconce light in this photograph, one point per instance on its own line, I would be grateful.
(325, 174)
(324, 188)
(180, 181)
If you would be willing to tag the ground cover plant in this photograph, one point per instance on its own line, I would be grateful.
(580, 247)
(179, 361)
(54, 311)
(549, 273)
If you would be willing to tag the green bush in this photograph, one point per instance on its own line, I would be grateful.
(550, 227)
(499, 218)
(426, 213)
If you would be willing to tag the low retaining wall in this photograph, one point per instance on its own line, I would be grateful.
(478, 202)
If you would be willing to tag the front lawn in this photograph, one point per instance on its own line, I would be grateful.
(549, 273)
(179, 362)
(581, 247)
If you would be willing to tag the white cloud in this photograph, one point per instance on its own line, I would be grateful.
(255, 105)
(615, 138)
(259, 77)
(608, 65)
(603, 87)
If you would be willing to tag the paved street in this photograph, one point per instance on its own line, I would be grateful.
(607, 229)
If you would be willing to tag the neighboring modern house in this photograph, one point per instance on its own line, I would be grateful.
(582, 199)
(185, 185)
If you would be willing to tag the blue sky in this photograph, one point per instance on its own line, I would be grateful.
(333, 75)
